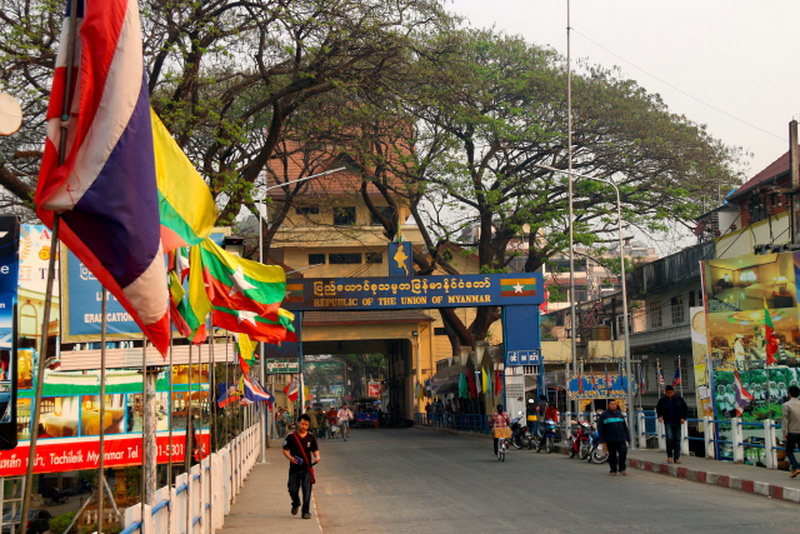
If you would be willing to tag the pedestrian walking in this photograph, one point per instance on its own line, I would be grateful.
(614, 433)
(790, 422)
(313, 421)
(672, 411)
(302, 451)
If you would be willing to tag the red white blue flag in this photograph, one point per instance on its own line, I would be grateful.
(676, 380)
(105, 190)
(742, 396)
(253, 391)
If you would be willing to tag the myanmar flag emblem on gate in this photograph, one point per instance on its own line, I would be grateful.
(517, 287)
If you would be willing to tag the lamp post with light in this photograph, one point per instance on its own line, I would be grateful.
(263, 214)
(629, 390)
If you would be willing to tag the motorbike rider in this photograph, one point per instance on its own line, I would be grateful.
(499, 419)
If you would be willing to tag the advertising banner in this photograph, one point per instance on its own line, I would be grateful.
(59, 455)
(9, 276)
(753, 336)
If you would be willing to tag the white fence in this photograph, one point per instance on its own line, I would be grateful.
(202, 498)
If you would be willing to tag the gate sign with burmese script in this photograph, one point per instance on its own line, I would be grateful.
(508, 289)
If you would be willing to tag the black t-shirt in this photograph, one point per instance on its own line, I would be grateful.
(292, 443)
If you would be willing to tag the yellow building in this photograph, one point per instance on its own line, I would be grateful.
(330, 233)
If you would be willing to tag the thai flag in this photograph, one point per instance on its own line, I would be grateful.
(99, 174)
(742, 396)
(255, 393)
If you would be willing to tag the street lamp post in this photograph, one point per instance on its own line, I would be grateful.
(629, 390)
(262, 366)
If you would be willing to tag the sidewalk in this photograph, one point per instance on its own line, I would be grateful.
(752, 479)
(264, 504)
(771, 483)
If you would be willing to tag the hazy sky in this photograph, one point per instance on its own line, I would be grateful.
(732, 65)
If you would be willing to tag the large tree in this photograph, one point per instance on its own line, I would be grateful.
(490, 110)
(224, 75)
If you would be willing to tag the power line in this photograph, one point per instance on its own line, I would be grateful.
(668, 84)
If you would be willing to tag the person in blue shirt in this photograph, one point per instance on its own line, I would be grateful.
(614, 433)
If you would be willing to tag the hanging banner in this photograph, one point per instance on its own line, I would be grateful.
(9, 276)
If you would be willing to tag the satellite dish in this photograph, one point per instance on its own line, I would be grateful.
(10, 114)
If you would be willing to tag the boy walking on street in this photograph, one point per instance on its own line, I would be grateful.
(672, 411)
(301, 449)
(613, 432)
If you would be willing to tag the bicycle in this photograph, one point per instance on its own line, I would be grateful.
(503, 436)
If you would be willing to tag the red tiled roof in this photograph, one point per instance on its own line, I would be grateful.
(773, 170)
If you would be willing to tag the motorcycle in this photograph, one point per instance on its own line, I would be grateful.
(548, 436)
(598, 453)
(579, 440)
(520, 435)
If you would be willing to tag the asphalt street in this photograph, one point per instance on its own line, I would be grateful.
(416, 480)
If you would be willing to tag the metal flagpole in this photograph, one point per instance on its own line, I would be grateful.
(212, 433)
(101, 478)
(187, 453)
(65, 116)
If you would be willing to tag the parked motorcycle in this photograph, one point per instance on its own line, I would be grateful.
(598, 453)
(520, 435)
(549, 430)
(579, 440)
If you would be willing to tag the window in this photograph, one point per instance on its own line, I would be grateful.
(386, 211)
(345, 216)
(374, 257)
(308, 210)
(692, 301)
(316, 259)
(439, 331)
(654, 310)
(338, 259)
(678, 310)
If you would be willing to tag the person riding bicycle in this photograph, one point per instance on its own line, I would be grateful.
(498, 420)
(343, 417)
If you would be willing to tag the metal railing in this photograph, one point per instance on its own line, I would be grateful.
(194, 501)
(754, 443)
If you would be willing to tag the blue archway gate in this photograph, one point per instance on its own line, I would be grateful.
(519, 295)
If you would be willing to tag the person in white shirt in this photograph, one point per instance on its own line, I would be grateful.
(343, 417)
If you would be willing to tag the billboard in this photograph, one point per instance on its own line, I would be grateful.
(753, 336)
(9, 275)
(70, 423)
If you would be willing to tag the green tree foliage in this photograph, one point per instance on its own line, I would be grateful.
(225, 76)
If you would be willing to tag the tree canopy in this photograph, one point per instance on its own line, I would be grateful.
(460, 124)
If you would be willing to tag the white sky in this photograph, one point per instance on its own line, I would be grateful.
(731, 64)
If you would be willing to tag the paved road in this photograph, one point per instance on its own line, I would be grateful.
(417, 480)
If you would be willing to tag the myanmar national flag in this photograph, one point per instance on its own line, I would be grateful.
(769, 335)
(241, 284)
(256, 327)
(294, 292)
(517, 287)
(185, 204)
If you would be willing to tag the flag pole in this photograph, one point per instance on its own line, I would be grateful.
(65, 116)
(26, 495)
(101, 478)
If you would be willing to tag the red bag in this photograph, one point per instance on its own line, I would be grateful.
(305, 458)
